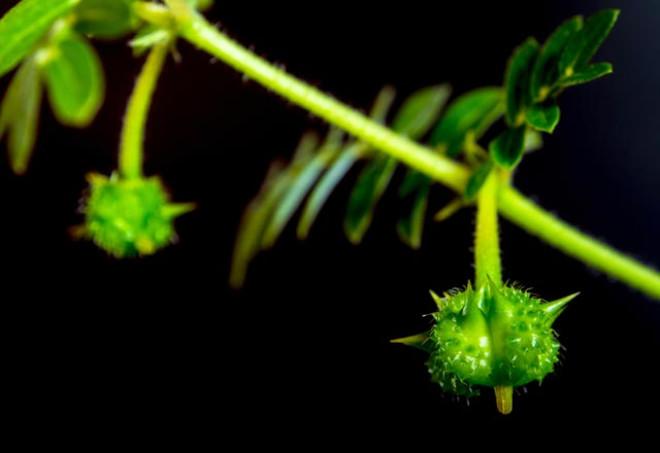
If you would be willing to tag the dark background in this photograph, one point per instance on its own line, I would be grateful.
(161, 346)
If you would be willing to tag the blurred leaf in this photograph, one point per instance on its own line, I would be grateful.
(477, 180)
(259, 214)
(546, 68)
(302, 175)
(517, 81)
(24, 25)
(411, 226)
(104, 18)
(449, 210)
(584, 44)
(342, 164)
(149, 36)
(593, 72)
(420, 111)
(373, 179)
(507, 149)
(543, 117)
(382, 104)
(327, 184)
(368, 190)
(533, 141)
(75, 81)
(201, 5)
(474, 111)
(414, 119)
(255, 218)
(19, 115)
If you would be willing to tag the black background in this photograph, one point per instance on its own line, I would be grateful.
(160, 346)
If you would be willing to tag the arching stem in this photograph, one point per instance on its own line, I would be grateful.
(131, 152)
(513, 205)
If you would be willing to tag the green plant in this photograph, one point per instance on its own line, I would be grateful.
(488, 334)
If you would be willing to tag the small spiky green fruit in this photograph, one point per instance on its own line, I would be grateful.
(129, 217)
(499, 337)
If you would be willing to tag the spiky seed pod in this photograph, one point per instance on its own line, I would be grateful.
(498, 337)
(129, 217)
(494, 336)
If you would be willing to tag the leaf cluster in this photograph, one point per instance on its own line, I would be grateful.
(527, 104)
(48, 41)
(537, 74)
(318, 167)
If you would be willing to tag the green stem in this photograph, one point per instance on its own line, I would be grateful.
(531, 217)
(132, 135)
(487, 241)
(513, 205)
(198, 31)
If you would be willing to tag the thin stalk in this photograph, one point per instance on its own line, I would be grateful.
(487, 262)
(487, 240)
(521, 211)
(504, 399)
(131, 154)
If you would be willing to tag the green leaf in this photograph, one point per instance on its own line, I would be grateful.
(473, 112)
(342, 164)
(368, 190)
(507, 149)
(19, 114)
(420, 111)
(593, 72)
(477, 180)
(470, 114)
(546, 68)
(104, 18)
(303, 175)
(326, 185)
(584, 44)
(411, 226)
(517, 81)
(24, 25)
(149, 36)
(543, 117)
(253, 223)
(75, 81)
(533, 141)
(414, 119)
(259, 213)
(450, 209)
(382, 104)
(201, 5)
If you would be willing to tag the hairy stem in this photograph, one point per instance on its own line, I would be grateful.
(531, 217)
(132, 135)
(487, 240)
(194, 28)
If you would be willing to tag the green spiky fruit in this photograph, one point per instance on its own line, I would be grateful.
(496, 337)
(499, 337)
(129, 217)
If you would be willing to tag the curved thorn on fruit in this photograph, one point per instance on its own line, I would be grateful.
(555, 308)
